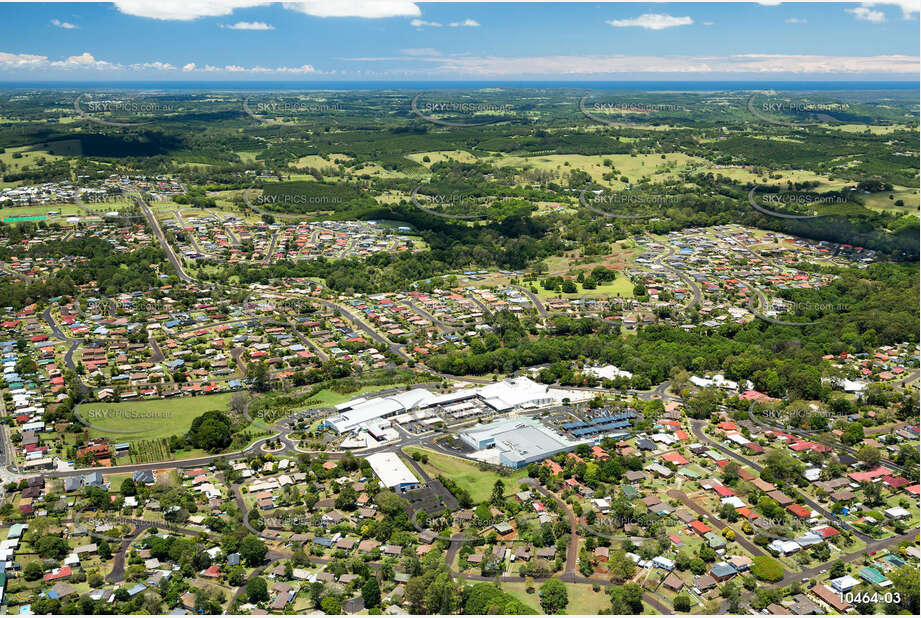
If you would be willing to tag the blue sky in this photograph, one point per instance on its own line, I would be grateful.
(404, 40)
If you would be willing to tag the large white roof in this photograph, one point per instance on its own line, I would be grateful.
(390, 469)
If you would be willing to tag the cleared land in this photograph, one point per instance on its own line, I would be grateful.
(148, 420)
(468, 475)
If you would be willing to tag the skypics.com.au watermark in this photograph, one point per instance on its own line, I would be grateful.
(454, 200)
(472, 112)
(607, 108)
(291, 199)
(798, 308)
(802, 198)
(120, 112)
(598, 111)
(598, 200)
(267, 112)
(88, 414)
(784, 106)
(295, 199)
(115, 413)
(83, 201)
(780, 199)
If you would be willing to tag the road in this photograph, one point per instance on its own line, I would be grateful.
(535, 300)
(393, 347)
(713, 519)
(13, 273)
(161, 238)
(697, 296)
(697, 430)
(57, 333)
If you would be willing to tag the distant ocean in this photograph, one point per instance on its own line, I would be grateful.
(701, 86)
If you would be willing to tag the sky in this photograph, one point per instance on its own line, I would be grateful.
(403, 40)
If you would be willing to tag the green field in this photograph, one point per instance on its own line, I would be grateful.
(466, 474)
(148, 420)
(582, 599)
(620, 287)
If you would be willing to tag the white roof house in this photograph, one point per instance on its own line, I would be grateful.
(843, 584)
(784, 547)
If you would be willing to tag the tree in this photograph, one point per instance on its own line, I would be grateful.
(252, 550)
(553, 596)
(33, 571)
(853, 434)
(256, 590)
(766, 568)
(331, 605)
(869, 455)
(346, 498)
(682, 603)
(260, 375)
(103, 549)
(212, 431)
(498, 493)
(371, 593)
(129, 487)
(52, 546)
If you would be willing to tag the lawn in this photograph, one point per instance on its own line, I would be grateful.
(148, 420)
(620, 287)
(466, 474)
(582, 599)
(41, 209)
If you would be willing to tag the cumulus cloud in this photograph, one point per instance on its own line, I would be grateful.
(864, 13)
(421, 23)
(36, 62)
(467, 23)
(185, 10)
(651, 21)
(86, 62)
(908, 6)
(248, 25)
(63, 24)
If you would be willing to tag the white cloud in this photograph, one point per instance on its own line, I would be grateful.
(421, 51)
(707, 23)
(867, 14)
(581, 66)
(22, 61)
(467, 23)
(87, 62)
(370, 9)
(248, 25)
(84, 61)
(795, 20)
(908, 6)
(63, 24)
(651, 21)
(421, 23)
(186, 10)
(153, 66)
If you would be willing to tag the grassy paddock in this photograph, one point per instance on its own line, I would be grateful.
(467, 474)
(151, 419)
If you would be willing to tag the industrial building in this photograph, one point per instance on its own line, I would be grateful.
(519, 441)
(505, 396)
(392, 472)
